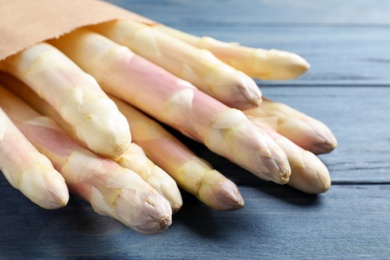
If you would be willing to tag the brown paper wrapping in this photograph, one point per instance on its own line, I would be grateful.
(24, 23)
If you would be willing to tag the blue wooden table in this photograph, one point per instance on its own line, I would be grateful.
(347, 87)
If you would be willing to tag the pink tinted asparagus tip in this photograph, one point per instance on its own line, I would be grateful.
(249, 91)
(160, 215)
(227, 197)
(219, 193)
(319, 139)
(326, 141)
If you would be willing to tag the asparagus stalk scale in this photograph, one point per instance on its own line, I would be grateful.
(111, 189)
(75, 95)
(176, 102)
(195, 65)
(192, 173)
(27, 170)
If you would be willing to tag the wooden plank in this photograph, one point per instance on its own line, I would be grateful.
(277, 223)
(254, 12)
(340, 52)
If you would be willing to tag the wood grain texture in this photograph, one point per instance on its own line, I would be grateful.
(351, 35)
(277, 223)
(347, 88)
(253, 12)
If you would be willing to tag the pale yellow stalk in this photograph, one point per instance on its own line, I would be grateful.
(307, 132)
(75, 95)
(192, 173)
(255, 62)
(194, 65)
(27, 170)
(176, 102)
(111, 189)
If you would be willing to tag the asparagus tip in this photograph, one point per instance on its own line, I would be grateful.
(156, 226)
(45, 187)
(329, 142)
(324, 141)
(176, 207)
(57, 199)
(249, 91)
(278, 167)
(165, 222)
(313, 177)
(220, 193)
(229, 196)
(285, 65)
(324, 147)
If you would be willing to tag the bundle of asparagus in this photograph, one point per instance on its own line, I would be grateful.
(176, 102)
(112, 190)
(133, 158)
(107, 86)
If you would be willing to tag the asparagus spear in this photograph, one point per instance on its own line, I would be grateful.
(133, 158)
(197, 66)
(176, 102)
(255, 62)
(111, 189)
(28, 170)
(75, 95)
(192, 173)
(308, 173)
(305, 131)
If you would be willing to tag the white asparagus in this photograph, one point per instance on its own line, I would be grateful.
(110, 189)
(133, 158)
(75, 95)
(197, 66)
(29, 171)
(171, 100)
